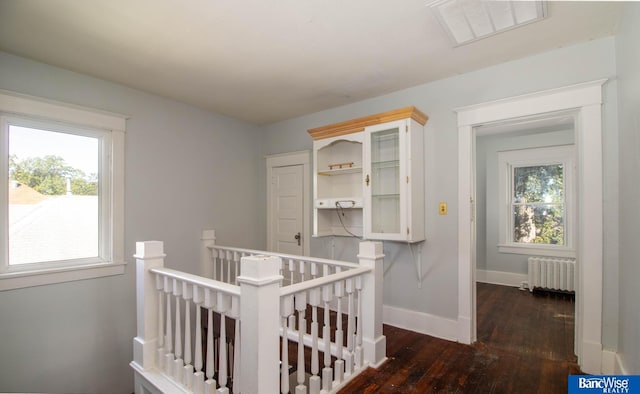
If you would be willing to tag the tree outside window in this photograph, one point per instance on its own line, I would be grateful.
(538, 204)
(537, 201)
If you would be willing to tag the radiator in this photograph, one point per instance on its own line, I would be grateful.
(552, 273)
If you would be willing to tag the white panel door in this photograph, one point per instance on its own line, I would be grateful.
(286, 205)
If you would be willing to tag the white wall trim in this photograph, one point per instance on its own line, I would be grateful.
(619, 368)
(18, 103)
(586, 100)
(291, 159)
(500, 278)
(608, 362)
(18, 280)
(466, 233)
(423, 323)
(546, 101)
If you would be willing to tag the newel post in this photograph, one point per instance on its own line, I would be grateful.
(206, 262)
(259, 282)
(373, 342)
(149, 254)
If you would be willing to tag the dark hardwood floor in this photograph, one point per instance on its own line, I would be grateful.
(525, 345)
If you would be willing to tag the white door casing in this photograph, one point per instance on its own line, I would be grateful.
(288, 202)
(586, 100)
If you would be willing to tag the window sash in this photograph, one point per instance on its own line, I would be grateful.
(535, 157)
(112, 128)
(513, 205)
(104, 195)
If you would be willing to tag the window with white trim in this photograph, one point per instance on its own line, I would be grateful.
(537, 201)
(62, 194)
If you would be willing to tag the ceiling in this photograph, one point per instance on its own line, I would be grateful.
(268, 60)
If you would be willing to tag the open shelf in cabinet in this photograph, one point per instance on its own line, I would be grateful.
(341, 171)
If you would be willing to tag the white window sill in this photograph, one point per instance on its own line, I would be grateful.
(21, 279)
(538, 250)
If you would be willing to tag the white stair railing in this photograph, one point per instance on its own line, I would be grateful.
(169, 353)
(223, 262)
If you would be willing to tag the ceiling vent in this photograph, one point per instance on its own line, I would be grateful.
(471, 20)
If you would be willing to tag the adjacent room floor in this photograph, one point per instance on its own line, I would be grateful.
(525, 345)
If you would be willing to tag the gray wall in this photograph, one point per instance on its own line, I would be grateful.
(186, 170)
(628, 63)
(487, 192)
(439, 293)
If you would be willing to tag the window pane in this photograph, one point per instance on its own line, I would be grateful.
(53, 196)
(538, 184)
(541, 224)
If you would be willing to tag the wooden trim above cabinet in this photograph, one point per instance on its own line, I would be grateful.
(358, 125)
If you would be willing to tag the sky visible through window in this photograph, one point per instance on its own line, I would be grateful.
(78, 151)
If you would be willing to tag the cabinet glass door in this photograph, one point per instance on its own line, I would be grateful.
(385, 181)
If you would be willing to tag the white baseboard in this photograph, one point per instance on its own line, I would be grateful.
(421, 322)
(619, 367)
(500, 277)
(609, 362)
(612, 364)
(591, 358)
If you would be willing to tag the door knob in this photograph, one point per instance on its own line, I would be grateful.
(298, 237)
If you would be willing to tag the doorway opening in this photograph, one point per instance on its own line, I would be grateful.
(525, 206)
(585, 100)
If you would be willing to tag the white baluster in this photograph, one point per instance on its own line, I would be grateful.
(209, 303)
(237, 269)
(302, 263)
(348, 358)
(358, 350)
(292, 270)
(327, 372)
(222, 361)
(314, 380)
(224, 304)
(222, 255)
(210, 383)
(286, 309)
(284, 359)
(168, 338)
(236, 260)
(236, 376)
(229, 260)
(188, 368)
(178, 364)
(235, 356)
(214, 261)
(161, 350)
(338, 366)
(301, 307)
(198, 376)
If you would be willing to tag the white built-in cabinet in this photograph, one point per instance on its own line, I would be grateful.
(369, 177)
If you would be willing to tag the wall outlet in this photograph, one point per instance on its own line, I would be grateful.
(442, 210)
